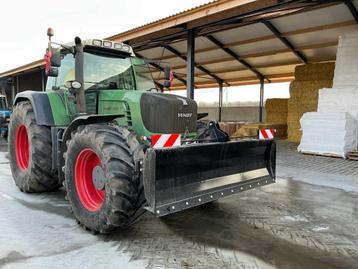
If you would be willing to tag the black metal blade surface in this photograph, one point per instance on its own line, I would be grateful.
(179, 174)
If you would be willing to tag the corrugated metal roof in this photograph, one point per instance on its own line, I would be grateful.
(185, 16)
(23, 68)
(168, 17)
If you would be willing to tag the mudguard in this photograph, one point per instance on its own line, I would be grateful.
(85, 120)
(182, 177)
(40, 104)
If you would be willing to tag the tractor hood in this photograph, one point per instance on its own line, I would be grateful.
(167, 113)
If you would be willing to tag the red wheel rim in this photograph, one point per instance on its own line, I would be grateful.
(22, 148)
(91, 198)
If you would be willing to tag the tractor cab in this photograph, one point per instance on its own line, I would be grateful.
(106, 65)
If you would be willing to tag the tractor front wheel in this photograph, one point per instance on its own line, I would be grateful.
(30, 149)
(101, 178)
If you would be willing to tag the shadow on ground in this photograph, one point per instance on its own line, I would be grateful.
(225, 233)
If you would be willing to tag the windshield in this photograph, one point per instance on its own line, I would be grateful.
(144, 77)
(104, 72)
(116, 73)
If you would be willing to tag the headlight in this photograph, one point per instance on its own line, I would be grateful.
(118, 46)
(126, 48)
(107, 44)
(73, 84)
(76, 84)
(97, 42)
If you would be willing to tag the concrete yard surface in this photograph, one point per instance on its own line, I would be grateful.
(299, 222)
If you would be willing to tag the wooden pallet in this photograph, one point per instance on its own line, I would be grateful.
(353, 155)
(322, 154)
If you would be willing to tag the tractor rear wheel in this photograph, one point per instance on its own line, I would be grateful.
(30, 149)
(101, 178)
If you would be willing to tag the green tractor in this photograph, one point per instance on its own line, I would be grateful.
(120, 146)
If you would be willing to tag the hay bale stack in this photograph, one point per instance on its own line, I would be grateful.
(252, 129)
(304, 92)
(230, 127)
(276, 110)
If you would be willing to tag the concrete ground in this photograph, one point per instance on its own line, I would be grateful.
(299, 222)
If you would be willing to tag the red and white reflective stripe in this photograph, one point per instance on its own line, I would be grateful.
(165, 140)
(267, 134)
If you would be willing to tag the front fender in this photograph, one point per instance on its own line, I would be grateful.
(85, 120)
(82, 120)
(40, 104)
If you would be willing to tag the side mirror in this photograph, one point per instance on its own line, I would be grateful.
(52, 60)
(55, 57)
(52, 57)
(168, 77)
(52, 72)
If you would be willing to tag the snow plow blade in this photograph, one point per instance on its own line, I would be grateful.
(179, 178)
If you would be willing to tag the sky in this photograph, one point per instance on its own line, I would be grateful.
(23, 26)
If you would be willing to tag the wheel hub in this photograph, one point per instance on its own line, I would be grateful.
(98, 177)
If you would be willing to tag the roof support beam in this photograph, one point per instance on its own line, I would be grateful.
(284, 40)
(352, 9)
(159, 67)
(190, 59)
(201, 68)
(271, 37)
(235, 56)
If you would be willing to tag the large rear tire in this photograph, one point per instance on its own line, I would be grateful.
(101, 178)
(30, 149)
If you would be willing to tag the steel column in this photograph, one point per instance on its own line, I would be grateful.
(43, 80)
(17, 84)
(262, 89)
(190, 64)
(12, 91)
(220, 99)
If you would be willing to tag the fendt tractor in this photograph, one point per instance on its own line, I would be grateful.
(119, 145)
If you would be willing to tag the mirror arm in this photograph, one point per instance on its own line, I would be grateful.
(69, 48)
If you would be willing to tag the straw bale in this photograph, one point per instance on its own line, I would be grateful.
(276, 117)
(318, 71)
(294, 135)
(276, 105)
(304, 92)
(251, 130)
(231, 127)
(276, 110)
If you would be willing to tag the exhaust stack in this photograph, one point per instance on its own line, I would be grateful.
(80, 96)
